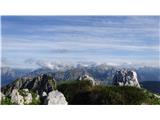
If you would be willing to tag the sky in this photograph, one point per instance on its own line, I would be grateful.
(34, 41)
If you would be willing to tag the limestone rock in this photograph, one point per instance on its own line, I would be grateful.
(157, 96)
(55, 98)
(44, 94)
(28, 98)
(2, 96)
(126, 78)
(87, 78)
(37, 97)
(39, 84)
(21, 97)
(25, 90)
(16, 97)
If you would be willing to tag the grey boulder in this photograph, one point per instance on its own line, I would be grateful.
(16, 97)
(55, 98)
(21, 97)
(87, 78)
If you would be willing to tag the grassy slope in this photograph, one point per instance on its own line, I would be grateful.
(82, 92)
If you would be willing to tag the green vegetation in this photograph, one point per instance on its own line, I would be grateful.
(82, 92)
(7, 101)
(35, 100)
(22, 92)
(70, 89)
(52, 83)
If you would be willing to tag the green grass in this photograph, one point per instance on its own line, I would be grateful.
(70, 89)
(34, 100)
(83, 93)
(7, 101)
(52, 83)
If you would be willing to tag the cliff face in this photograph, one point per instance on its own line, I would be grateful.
(126, 78)
(39, 84)
(37, 90)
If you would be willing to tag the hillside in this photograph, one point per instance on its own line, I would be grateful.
(44, 90)
(83, 93)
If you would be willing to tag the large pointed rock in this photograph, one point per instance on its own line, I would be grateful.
(39, 84)
(126, 78)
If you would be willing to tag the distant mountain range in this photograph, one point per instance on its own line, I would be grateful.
(100, 72)
(153, 86)
(8, 74)
(148, 74)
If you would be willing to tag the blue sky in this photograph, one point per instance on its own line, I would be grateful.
(29, 41)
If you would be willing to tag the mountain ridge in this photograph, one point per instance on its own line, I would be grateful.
(102, 73)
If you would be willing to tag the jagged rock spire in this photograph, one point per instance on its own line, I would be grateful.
(125, 78)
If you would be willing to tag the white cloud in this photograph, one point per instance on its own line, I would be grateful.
(84, 38)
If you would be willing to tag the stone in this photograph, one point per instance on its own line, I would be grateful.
(25, 90)
(37, 97)
(44, 94)
(24, 98)
(2, 96)
(157, 96)
(28, 98)
(16, 97)
(39, 83)
(87, 78)
(126, 78)
(55, 98)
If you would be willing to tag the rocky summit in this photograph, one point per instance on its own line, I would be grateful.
(38, 84)
(38, 90)
(126, 78)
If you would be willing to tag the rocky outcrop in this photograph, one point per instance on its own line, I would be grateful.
(44, 94)
(39, 84)
(16, 97)
(21, 97)
(87, 78)
(126, 78)
(55, 98)
(37, 90)
(27, 96)
(2, 96)
(157, 96)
